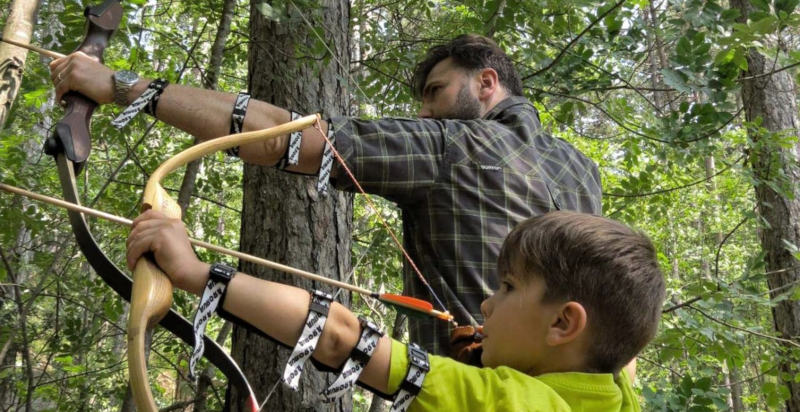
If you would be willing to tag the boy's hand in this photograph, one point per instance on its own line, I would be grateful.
(465, 345)
(83, 74)
(167, 240)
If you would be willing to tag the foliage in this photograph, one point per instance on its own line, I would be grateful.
(650, 91)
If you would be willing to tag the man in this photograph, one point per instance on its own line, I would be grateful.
(468, 171)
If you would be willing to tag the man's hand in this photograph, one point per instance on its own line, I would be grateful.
(167, 240)
(83, 74)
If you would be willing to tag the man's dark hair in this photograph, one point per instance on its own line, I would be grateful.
(602, 264)
(470, 52)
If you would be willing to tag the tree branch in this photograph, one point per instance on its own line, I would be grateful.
(573, 41)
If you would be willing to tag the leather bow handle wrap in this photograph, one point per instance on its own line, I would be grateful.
(72, 135)
(151, 297)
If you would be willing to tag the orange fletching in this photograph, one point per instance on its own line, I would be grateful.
(406, 301)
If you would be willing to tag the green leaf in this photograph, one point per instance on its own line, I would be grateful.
(740, 59)
(786, 6)
(766, 25)
(724, 56)
(675, 79)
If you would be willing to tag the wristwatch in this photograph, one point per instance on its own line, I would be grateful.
(123, 81)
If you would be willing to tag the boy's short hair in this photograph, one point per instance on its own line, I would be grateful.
(607, 267)
(470, 52)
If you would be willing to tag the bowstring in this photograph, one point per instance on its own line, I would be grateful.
(374, 209)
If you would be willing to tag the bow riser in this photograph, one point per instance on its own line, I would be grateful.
(151, 299)
(72, 135)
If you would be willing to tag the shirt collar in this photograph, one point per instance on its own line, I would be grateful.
(505, 104)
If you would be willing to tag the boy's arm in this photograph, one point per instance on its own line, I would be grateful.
(280, 311)
(203, 113)
(276, 309)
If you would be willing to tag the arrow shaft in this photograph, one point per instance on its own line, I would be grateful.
(199, 243)
(43, 52)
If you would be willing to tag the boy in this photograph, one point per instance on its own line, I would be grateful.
(580, 296)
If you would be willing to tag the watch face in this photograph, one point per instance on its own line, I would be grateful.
(126, 76)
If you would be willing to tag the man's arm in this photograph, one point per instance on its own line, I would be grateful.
(203, 113)
(276, 309)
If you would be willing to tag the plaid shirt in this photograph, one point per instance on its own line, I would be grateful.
(462, 185)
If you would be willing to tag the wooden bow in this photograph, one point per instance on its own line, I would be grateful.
(70, 146)
(152, 291)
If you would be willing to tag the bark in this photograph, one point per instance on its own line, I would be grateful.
(491, 25)
(284, 218)
(653, 48)
(657, 56)
(18, 27)
(769, 101)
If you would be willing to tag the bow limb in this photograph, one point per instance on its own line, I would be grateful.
(152, 291)
(152, 192)
(122, 284)
(70, 146)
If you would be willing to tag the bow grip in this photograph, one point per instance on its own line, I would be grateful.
(71, 134)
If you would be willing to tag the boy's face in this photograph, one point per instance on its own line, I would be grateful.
(516, 326)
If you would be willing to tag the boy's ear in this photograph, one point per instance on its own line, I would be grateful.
(568, 324)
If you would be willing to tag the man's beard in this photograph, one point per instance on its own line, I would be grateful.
(467, 106)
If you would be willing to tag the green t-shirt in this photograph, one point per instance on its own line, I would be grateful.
(454, 386)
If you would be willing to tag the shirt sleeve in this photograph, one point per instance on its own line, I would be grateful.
(454, 386)
(395, 158)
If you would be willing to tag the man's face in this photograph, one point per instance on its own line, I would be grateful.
(449, 93)
(516, 325)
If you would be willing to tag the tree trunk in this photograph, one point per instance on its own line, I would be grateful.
(769, 101)
(730, 370)
(284, 218)
(18, 27)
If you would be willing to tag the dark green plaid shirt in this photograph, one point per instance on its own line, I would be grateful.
(462, 185)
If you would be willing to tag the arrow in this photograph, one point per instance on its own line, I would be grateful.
(44, 52)
(399, 301)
